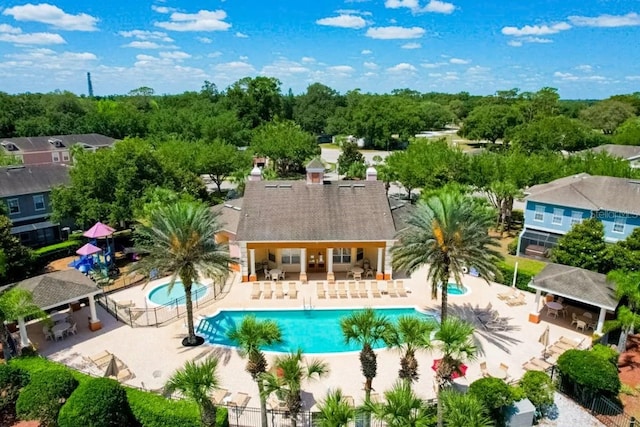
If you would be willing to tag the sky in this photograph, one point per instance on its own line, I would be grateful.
(584, 48)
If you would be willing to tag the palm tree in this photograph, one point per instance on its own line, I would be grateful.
(628, 292)
(448, 232)
(334, 410)
(286, 382)
(180, 238)
(16, 304)
(454, 340)
(196, 381)
(410, 335)
(251, 336)
(401, 408)
(464, 410)
(367, 328)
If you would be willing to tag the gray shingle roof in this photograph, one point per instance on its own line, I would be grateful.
(628, 152)
(31, 179)
(590, 192)
(297, 211)
(41, 143)
(229, 212)
(52, 289)
(315, 163)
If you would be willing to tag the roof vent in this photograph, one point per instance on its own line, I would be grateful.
(56, 142)
(358, 186)
(271, 186)
(284, 185)
(344, 185)
(9, 146)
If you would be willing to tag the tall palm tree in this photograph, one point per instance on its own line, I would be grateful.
(196, 381)
(251, 336)
(410, 335)
(454, 341)
(448, 232)
(367, 328)
(180, 238)
(286, 382)
(335, 410)
(464, 410)
(401, 408)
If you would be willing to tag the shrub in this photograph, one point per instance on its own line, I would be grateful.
(538, 388)
(522, 281)
(493, 393)
(152, 410)
(512, 247)
(12, 380)
(585, 374)
(45, 395)
(606, 353)
(99, 402)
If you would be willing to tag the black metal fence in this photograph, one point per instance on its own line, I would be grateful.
(159, 315)
(250, 417)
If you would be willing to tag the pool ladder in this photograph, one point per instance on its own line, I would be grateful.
(306, 307)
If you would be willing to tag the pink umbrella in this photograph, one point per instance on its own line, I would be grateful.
(463, 368)
(98, 230)
(88, 249)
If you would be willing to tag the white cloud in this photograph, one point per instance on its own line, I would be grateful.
(411, 46)
(572, 77)
(341, 69)
(628, 20)
(439, 7)
(204, 20)
(584, 68)
(162, 9)
(402, 68)
(343, 21)
(433, 64)
(205, 40)
(451, 75)
(146, 35)
(535, 30)
(49, 59)
(144, 45)
(52, 15)
(6, 28)
(515, 43)
(235, 67)
(243, 58)
(241, 35)
(536, 40)
(459, 61)
(434, 6)
(477, 69)
(32, 38)
(283, 68)
(393, 32)
(370, 65)
(214, 54)
(308, 60)
(353, 12)
(174, 55)
(632, 78)
(366, 52)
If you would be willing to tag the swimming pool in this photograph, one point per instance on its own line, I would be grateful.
(314, 331)
(455, 290)
(160, 295)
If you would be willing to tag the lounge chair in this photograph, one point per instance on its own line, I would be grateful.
(332, 291)
(362, 290)
(504, 368)
(125, 303)
(240, 400)
(342, 290)
(320, 290)
(511, 292)
(516, 300)
(101, 359)
(353, 290)
(391, 289)
(529, 366)
(218, 396)
(376, 398)
(125, 375)
(569, 341)
(541, 363)
(293, 290)
(267, 293)
(400, 290)
(375, 292)
(255, 292)
(279, 290)
(484, 370)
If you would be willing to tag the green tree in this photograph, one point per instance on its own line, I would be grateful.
(314, 107)
(15, 304)
(607, 115)
(409, 335)
(628, 293)
(257, 100)
(538, 388)
(401, 408)
(554, 134)
(628, 133)
(251, 336)
(494, 394)
(464, 410)
(490, 122)
(180, 238)
(583, 246)
(286, 382)
(625, 254)
(448, 232)
(16, 257)
(350, 155)
(219, 160)
(334, 410)
(195, 381)
(366, 328)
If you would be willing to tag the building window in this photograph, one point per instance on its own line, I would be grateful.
(618, 224)
(342, 256)
(539, 215)
(55, 156)
(38, 202)
(290, 256)
(14, 206)
(576, 218)
(65, 156)
(557, 217)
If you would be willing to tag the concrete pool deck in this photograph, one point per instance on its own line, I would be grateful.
(154, 353)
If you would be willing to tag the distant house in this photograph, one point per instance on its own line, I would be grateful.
(51, 149)
(631, 153)
(310, 229)
(552, 209)
(25, 191)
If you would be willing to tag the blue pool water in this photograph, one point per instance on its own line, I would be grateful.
(314, 331)
(161, 296)
(453, 289)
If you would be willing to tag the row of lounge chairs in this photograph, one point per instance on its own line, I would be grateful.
(266, 290)
(513, 297)
(223, 397)
(359, 289)
(118, 369)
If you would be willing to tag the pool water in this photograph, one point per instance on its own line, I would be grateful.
(161, 296)
(314, 331)
(453, 289)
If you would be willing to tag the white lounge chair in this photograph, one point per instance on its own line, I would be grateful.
(320, 290)
(255, 292)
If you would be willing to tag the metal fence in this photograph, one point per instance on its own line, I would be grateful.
(250, 417)
(159, 315)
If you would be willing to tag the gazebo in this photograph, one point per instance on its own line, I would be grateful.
(59, 288)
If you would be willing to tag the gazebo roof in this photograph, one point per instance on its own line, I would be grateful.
(577, 284)
(60, 287)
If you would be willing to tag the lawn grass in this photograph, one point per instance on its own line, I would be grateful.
(525, 265)
(330, 145)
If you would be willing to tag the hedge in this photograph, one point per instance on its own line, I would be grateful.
(538, 387)
(494, 394)
(12, 380)
(522, 281)
(43, 397)
(586, 374)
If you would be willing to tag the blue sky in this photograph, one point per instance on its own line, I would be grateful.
(585, 48)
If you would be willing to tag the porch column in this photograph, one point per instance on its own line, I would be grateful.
(244, 267)
(331, 278)
(354, 256)
(94, 322)
(303, 265)
(379, 266)
(252, 265)
(279, 258)
(388, 269)
(603, 314)
(24, 339)
(534, 316)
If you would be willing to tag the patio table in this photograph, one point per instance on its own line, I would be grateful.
(554, 305)
(275, 273)
(357, 270)
(60, 327)
(59, 317)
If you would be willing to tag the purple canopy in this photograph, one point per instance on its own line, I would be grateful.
(88, 249)
(98, 230)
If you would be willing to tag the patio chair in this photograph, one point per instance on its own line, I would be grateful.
(375, 292)
(320, 290)
(400, 290)
(500, 325)
(362, 290)
(267, 275)
(267, 293)
(353, 291)
(47, 333)
(218, 396)
(574, 319)
(73, 329)
(581, 325)
(552, 312)
(332, 293)
(255, 292)
(357, 276)
(506, 295)
(101, 359)
(349, 273)
(391, 289)
(58, 335)
(281, 275)
(293, 290)
(279, 290)
(484, 370)
(504, 368)
(240, 400)
(369, 273)
(342, 290)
